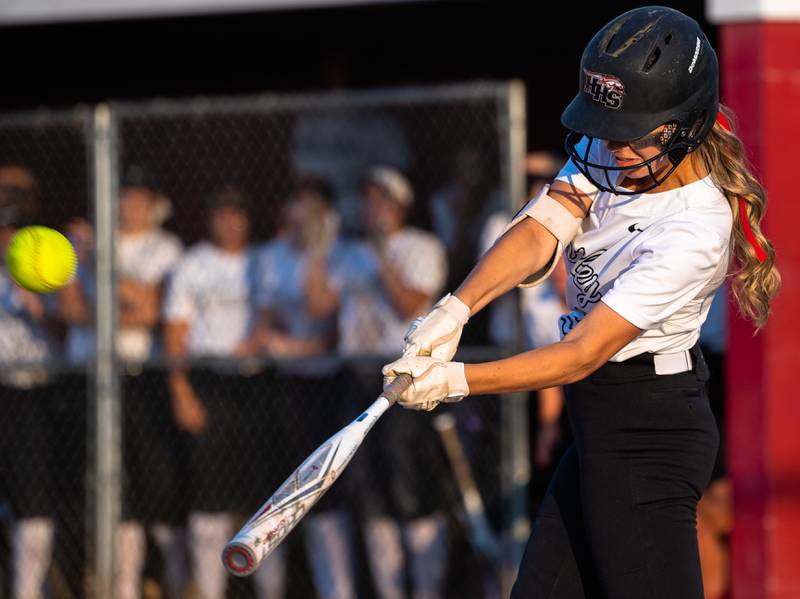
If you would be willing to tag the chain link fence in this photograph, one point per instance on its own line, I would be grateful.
(246, 266)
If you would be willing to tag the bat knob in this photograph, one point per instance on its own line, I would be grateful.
(238, 560)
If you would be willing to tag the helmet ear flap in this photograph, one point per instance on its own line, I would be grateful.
(702, 126)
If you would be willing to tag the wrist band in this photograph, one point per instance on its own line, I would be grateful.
(454, 307)
(456, 380)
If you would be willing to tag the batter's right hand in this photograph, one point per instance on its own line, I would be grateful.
(437, 334)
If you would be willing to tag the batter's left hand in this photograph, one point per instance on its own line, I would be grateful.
(434, 381)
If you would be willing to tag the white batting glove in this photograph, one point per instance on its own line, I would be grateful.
(437, 334)
(434, 381)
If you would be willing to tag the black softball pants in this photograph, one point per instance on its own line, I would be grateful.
(619, 518)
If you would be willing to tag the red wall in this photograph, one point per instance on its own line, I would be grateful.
(761, 82)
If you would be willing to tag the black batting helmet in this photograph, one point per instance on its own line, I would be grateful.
(648, 67)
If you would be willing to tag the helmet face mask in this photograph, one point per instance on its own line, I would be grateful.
(649, 68)
(606, 177)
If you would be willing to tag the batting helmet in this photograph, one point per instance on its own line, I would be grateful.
(648, 67)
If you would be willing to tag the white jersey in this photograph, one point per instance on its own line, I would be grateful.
(212, 291)
(368, 323)
(656, 259)
(146, 258)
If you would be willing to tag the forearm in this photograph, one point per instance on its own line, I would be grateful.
(72, 305)
(594, 341)
(406, 301)
(557, 364)
(175, 334)
(129, 291)
(178, 381)
(524, 249)
(138, 317)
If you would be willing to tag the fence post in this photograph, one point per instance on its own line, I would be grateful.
(515, 453)
(105, 452)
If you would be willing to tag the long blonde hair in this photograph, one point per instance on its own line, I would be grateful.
(753, 282)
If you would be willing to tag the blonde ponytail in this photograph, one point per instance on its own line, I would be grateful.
(754, 278)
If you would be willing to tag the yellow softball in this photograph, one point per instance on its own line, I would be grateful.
(40, 259)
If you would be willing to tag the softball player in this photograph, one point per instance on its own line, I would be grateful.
(208, 313)
(26, 402)
(653, 206)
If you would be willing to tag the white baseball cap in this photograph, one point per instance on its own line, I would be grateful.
(393, 182)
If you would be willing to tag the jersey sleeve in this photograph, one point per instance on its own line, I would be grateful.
(170, 256)
(179, 305)
(671, 267)
(571, 174)
(163, 260)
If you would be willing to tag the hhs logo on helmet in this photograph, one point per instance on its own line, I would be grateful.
(606, 89)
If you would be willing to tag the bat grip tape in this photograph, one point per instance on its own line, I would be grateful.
(394, 390)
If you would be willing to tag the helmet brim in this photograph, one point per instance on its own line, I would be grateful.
(591, 119)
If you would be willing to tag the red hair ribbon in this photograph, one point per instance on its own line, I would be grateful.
(761, 255)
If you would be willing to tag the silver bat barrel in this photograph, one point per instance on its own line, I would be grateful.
(264, 531)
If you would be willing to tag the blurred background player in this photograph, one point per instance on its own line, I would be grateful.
(308, 380)
(209, 318)
(146, 254)
(378, 287)
(26, 345)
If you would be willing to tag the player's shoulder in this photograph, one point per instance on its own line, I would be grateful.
(711, 208)
(702, 210)
(693, 231)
